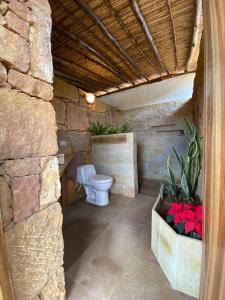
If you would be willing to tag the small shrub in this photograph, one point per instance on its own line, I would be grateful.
(100, 129)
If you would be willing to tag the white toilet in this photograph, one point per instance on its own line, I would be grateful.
(96, 186)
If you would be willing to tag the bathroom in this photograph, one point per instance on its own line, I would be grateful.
(94, 234)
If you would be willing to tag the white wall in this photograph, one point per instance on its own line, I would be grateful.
(174, 89)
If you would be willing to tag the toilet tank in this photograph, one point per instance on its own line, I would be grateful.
(84, 172)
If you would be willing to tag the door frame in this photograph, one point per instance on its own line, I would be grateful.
(213, 267)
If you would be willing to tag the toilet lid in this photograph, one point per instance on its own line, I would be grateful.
(100, 178)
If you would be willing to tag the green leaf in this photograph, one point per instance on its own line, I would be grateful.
(180, 227)
(184, 186)
(169, 218)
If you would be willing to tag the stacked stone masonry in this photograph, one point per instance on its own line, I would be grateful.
(158, 127)
(29, 172)
(73, 116)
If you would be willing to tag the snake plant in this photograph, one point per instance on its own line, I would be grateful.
(184, 190)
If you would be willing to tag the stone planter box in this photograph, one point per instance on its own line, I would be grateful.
(179, 256)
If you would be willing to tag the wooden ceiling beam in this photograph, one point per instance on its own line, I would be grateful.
(102, 57)
(84, 26)
(88, 58)
(91, 82)
(86, 8)
(70, 63)
(128, 33)
(76, 81)
(141, 20)
(197, 22)
(174, 32)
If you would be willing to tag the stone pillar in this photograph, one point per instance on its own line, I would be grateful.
(29, 174)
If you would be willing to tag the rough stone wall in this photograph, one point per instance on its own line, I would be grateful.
(29, 173)
(73, 116)
(157, 128)
(116, 155)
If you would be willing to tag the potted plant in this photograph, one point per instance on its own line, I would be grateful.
(177, 220)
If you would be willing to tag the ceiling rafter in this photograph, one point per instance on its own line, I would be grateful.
(76, 20)
(87, 80)
(84, 82)
(103, 57)
(70, 63)
(197, 22)
(86, 8)
(86, 57)
(174, 32)
(141, 20)
(127, 31)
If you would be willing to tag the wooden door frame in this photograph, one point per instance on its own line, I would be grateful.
(213, 267)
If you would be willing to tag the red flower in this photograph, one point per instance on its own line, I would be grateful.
(189, 226)
(198, 212)
(191, 216)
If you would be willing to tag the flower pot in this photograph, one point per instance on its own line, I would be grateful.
(179, 256)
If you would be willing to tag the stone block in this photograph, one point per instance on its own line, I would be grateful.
(65, 90)
(2, 20)
(50, 183)
(20, 9)
(80, 141)
(22, 167)
(27, 126)
(3, 7)
(97, 117)
(3, 73)
(25, 191)
(16, 56)
(55, 287)
(17, 25)
(77, 117)
(5, 201)
(30, 85)
(60, 109)
(99, 106)
(40, 41)
(64, 142)
(35, 251)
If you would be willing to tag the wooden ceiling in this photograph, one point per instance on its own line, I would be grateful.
(103, 46)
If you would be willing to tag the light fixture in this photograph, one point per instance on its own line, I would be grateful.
(90, 98)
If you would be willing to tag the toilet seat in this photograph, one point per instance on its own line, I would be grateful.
(100, 179)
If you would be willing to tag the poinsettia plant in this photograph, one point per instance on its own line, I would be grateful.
(186, 219)
(185, 209)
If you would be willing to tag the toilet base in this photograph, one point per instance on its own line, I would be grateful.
(101, 198)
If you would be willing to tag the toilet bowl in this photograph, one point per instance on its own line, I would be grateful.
(96, 186)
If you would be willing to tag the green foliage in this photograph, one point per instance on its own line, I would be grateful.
(100, 129)
(190, 165)
(125, 128)
(113, 130)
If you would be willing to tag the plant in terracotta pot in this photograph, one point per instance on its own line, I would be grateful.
(182, 207)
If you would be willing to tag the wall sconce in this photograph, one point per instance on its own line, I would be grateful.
(90, 98)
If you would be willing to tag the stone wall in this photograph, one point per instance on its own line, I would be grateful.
(29, 174)
(116, 155)
(73, 116)
(157, 128)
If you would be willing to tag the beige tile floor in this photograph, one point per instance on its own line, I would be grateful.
(107, 252)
